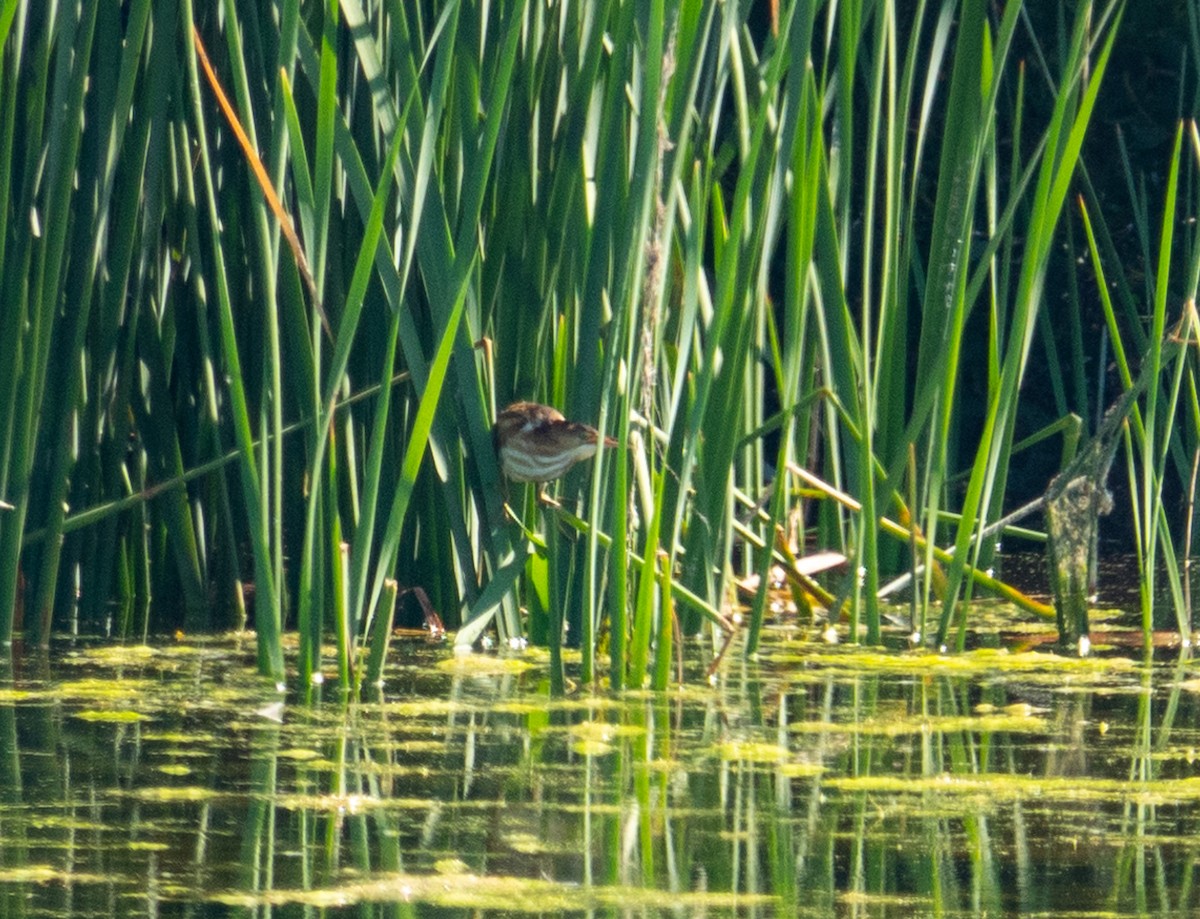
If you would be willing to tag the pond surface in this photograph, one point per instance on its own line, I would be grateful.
(170, 781)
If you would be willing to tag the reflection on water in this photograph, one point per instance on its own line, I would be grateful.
(170, 782)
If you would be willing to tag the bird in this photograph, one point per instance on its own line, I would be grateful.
(535, 443)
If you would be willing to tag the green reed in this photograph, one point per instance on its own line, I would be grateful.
(739, 242)
(1154, 441)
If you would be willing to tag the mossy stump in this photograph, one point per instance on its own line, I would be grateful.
(1078, 497)
(1073, 510)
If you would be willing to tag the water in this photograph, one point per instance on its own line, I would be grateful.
(170, 781)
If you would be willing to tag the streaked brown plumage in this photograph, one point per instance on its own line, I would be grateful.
(535, 443)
